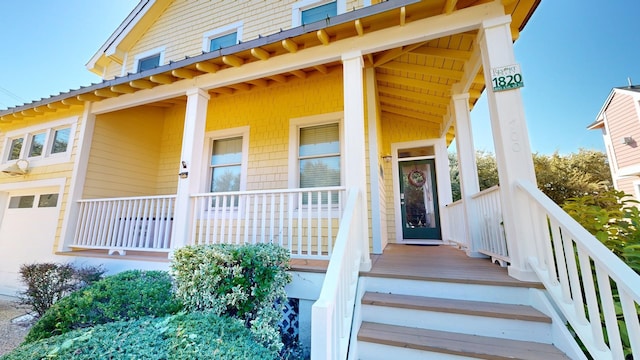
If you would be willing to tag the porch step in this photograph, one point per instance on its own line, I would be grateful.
(507, 321)
(380, 341)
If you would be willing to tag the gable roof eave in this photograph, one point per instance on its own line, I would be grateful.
(110, 50)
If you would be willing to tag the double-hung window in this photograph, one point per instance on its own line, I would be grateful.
(226, 164)
(316, 155)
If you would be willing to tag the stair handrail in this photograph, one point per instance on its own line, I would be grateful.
(332, 313)
(558, 234)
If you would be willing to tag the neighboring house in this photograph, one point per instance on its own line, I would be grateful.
(319, 125)
(619, 120)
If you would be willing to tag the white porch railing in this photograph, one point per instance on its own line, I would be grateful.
(490, 230)
(332, 313)
(305, 221)
(120, 224)
(567, 259)
(457, 224)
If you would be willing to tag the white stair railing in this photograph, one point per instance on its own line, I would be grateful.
(305, 221)
(120, 224)
(332, 313)
(490, 229)
(568, 257)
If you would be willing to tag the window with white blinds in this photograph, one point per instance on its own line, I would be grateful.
(226, 164)
(319, 156)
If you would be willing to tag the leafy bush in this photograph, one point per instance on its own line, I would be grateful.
(246, 282)
(128, 295)
(49, 282)
(201, 336)
(613, 218)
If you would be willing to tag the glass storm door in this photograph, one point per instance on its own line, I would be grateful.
(419, 200)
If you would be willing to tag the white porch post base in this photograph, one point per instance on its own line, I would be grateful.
(190, 163)
(355, 168)
(513, 151)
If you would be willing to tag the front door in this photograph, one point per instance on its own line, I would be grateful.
(419, 200)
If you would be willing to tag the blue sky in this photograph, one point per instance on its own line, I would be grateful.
(571, 53)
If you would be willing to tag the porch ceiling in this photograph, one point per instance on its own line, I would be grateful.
(414, 81)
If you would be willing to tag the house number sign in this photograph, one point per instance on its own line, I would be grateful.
(506, 77)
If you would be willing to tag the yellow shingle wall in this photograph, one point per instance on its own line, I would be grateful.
(395, 130)
(170, 148)
(125, 153)
(181, 28)
(268, 111)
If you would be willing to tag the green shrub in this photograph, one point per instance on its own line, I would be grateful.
(128, 295)
(201, 336)
(246, 282)
(46, 283)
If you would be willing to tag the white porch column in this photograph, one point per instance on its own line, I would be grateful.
(513, 151)
(467, 167)
(190, 163)
(354, 141)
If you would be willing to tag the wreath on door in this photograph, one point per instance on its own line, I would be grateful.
(416, 178)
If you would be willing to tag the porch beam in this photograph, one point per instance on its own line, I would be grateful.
(513, 151)
(428, 98)
(354, 141)
(422, 30)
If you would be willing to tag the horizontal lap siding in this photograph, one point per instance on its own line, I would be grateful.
(61, 170)
(626, 184)
(623, 121)
(124, 154)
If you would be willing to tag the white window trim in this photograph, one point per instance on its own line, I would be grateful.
(299, 6)
(46, 158)
(146, 54)
(235, 27)
(211, 136)
(294, 142)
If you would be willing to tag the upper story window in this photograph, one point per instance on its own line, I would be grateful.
(222, 37)
(51, 141)
(149, 59)
(309, 11)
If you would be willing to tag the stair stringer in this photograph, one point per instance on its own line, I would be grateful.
(560, 334)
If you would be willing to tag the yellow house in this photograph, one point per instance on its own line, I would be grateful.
(322, 126)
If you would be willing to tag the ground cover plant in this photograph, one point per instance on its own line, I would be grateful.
(128, 295)
(182, 336)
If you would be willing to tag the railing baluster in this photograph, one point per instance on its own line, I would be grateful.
(263, 219)
(610, 319)
(272, 214)
(309, 223)
(247, 220)
(281, 221)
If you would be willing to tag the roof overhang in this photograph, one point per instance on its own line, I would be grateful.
(405, 93)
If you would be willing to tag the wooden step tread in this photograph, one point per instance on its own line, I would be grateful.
(457, 344)
(478, 308)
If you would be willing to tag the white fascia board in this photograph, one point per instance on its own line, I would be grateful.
(417, 31)
(110, 46)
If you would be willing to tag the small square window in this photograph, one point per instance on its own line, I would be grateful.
(60, 140)
(223, 41)
(21, 202)
(149, 62)
(319, 12)
(37, 144)
(15, 149)
(48, 200)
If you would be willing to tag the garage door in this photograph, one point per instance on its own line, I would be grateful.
(27, 230)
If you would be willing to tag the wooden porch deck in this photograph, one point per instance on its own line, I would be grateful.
(425, 262)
